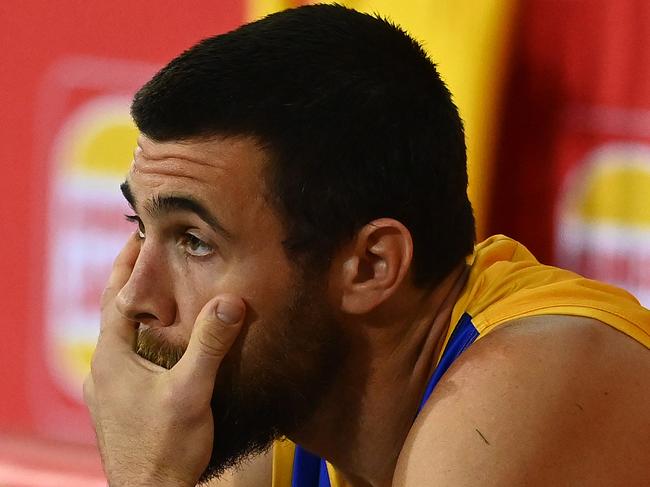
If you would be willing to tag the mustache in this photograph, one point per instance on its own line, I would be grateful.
(155, 348)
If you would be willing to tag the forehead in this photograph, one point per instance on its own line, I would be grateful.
(201, 160)
(222, 175)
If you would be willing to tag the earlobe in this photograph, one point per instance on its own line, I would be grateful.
(376, 265)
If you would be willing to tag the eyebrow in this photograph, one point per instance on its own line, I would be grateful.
(164, 205)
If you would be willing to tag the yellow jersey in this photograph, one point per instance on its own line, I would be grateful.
(505, 282)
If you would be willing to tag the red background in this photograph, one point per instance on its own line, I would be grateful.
(34, 36)
(568, 58)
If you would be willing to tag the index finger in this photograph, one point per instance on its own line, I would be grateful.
(122, 269)
(115, 328)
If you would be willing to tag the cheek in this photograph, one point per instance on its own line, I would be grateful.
(194, 286)
(264, 283)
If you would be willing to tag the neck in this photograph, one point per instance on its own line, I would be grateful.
(362, 424)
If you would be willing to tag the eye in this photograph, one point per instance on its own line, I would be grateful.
(136, 219)
(195, 246)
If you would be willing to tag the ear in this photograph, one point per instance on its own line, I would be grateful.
(375, 266)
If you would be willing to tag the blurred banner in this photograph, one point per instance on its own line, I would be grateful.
(70, 69)
(68, 141)
(555, 95)
(572, 179)
(469, 42)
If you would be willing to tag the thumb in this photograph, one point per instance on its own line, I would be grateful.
(215, 329)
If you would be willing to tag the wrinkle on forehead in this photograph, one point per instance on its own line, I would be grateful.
(174, 158)
(183, 158)
(178, 171)
(170, 166)
(210, 148)
(231, 163)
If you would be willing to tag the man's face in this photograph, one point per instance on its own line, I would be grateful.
(207, 228)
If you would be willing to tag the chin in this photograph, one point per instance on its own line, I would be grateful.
(272, 380)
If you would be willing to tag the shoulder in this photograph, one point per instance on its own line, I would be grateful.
(551, 400)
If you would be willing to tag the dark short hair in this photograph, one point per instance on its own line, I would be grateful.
(354, 117)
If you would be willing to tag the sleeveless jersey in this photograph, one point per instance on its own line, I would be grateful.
(505, 282)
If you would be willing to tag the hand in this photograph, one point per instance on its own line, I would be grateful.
(154, 426)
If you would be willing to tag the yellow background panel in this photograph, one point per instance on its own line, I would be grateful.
(467, 39)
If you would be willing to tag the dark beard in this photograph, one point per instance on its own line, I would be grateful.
(258, 399)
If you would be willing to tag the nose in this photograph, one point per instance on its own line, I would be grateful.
(148, 296)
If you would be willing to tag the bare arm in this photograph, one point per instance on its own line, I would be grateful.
(561, 401)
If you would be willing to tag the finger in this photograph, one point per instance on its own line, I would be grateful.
(89, 393)
(214, 332)
(115, 330)
(122, 269)
(89, 398)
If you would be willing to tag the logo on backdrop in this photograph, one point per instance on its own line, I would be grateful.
(92, 152)
(603, 229)
(85, 133)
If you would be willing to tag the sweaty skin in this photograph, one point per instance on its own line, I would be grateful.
(504, 414)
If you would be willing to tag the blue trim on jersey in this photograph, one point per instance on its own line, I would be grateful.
(306, 469)
(324, 477)
(310, 470)
(461, 338)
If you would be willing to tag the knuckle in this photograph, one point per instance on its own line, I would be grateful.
(177, 401)
(88, 389)
(98, 374)
(93, 365)
(169, 397)
(213, 344)
(108, 294)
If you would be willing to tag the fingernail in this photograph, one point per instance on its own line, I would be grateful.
(229, 313)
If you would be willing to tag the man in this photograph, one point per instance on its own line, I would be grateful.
(303, 277)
